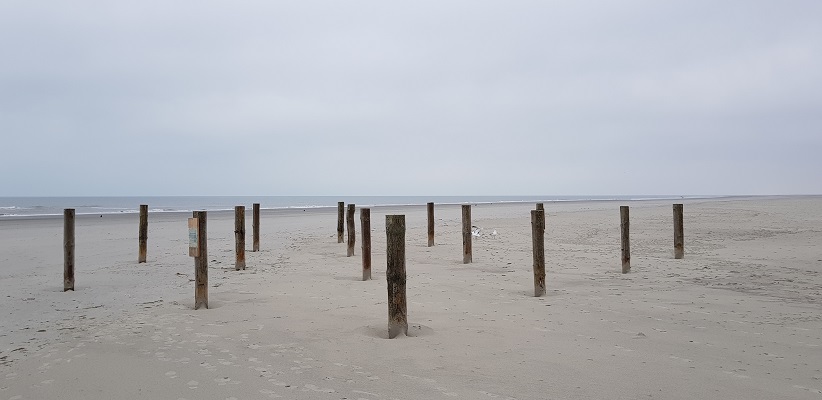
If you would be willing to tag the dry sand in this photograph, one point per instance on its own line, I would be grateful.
(740, 317)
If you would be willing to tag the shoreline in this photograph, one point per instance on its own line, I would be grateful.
(287, 209)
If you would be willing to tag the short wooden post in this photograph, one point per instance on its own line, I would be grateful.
(395, 275)
(430, 224)
(352, 235)
(466, 234)
(68, 249)
(538, 241)
(255, 227)
(365, 226)
(239, 237)
(201, 263)
(143, 234)
(679, 233)
(340, 219)
(624, 226)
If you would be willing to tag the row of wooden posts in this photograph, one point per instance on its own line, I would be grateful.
(395, 249)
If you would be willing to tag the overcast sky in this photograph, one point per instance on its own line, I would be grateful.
(410, 98)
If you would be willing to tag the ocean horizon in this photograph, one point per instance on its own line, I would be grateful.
(22, 207)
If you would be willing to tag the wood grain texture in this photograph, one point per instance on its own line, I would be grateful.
(395, 275)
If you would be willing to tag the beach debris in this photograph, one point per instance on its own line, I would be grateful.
(477, 231)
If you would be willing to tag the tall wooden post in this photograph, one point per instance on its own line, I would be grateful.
(395, 275)
(143, 234)
(239, 237)
(679, 233)
(68, 249)
(201, 263)
(540, 206)
(430, 207)
(466, 234)
(255, 227)
(538, 240)
(340, 224)
(365, 226)
(624, 226)
(352, 236)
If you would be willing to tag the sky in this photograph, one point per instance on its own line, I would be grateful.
(475, 97)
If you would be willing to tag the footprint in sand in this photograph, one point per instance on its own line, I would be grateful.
(171, 374)
(193, 384)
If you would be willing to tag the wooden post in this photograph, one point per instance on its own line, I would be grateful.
(538, 241)
(352, 236)
(340, 224)
(466, 234)
(239, 237)
(68, 249)
(540, 206)
(625, 239)
(255, 227)
(143, 236)
(365, 226)
(430, 224)
(201, 263)
(679, 233)
(395, 275)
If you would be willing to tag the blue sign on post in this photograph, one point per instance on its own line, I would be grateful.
(193, 238)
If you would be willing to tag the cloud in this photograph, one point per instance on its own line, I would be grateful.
(465, 97)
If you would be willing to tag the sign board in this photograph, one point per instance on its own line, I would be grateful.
(193, 238)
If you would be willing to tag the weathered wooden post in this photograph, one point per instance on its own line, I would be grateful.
(255, 227)
(466, 234)
(352, 236)
(365, 226)
(197, 235)
(68, 249)
(540, 206)
(395, 275)
(538, 240)
(239, 237)
(679, 233)
(143, 234)
(430, 224)
(625, 239)
(340, 224)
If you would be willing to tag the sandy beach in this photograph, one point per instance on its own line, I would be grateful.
(740, 317)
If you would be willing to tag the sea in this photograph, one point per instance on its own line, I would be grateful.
(33, 207)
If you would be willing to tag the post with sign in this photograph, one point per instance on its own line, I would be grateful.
(239, 237)
(197, 248)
